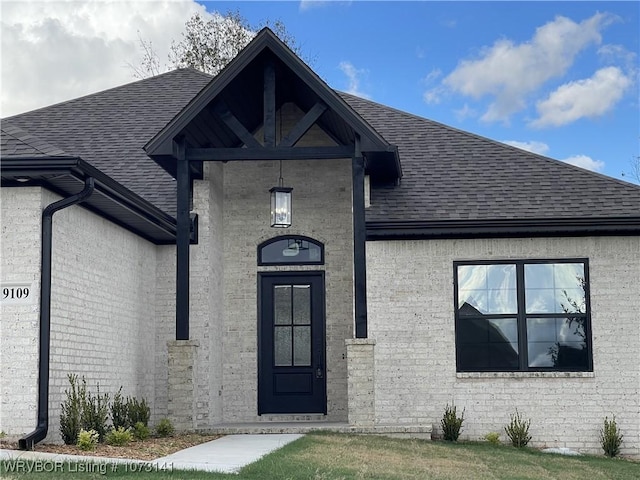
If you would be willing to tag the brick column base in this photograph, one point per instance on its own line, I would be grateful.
(182, 378)
(361, 382)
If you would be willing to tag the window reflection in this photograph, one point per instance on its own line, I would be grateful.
(557, 342)
(554, 288)
(487, 289)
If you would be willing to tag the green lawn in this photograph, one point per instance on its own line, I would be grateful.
(334, 456)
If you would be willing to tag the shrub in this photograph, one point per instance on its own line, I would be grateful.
(119, 411)
(451, 423)
(87, 440)
(518, 430)
(493, 438)
(95, 411)
(610, 437)
(138, 411)
(72, 410)
(141, 431)
(164, 428)
(119, 437)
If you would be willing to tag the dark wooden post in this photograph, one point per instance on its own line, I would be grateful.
(359, 244)
(182, 241)
(269, 105)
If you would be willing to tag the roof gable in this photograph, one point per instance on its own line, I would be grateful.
(236, 104)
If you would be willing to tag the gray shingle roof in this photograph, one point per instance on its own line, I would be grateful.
(16, 142)
(108, 129)
(450, 174)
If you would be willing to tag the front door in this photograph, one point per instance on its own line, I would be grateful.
(291, 356)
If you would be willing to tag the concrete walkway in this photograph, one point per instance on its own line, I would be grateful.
(226, 454)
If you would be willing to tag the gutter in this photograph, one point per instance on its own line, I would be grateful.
(40, 432)
(507, 228)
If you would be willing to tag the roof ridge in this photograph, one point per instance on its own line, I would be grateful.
(497, 142)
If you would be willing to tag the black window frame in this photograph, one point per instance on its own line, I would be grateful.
(297, 238)
(522, 315)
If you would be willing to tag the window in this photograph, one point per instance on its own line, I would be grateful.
(522, 316)
(291, 250)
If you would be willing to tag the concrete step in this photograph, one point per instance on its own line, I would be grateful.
(398, 431)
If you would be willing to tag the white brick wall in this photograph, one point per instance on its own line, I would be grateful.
(102, 307)
(411, 318)
(20, 222)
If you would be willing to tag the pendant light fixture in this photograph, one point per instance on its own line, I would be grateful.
(280, 204)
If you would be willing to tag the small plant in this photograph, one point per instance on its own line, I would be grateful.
(72, 410)
(518, 430)
(493, 438)
(451, 423)
(610, 437)
(119, 411)
(119, 437)
(87, 439)
(164, 428)
(138, 411)
(141, 431)
(2, 434)
(95, 410)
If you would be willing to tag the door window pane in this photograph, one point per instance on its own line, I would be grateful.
(282, 346)
(302, 346)
(282, 304)
(302, 304)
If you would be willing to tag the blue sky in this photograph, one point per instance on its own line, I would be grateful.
(557, 78)
(560, 78)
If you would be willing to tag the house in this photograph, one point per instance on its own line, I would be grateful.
(423, 265)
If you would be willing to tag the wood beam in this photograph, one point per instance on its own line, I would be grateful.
(277, 153)
(269, 123)
(359, 244)
(222, 110)
(183, 236)
(303, 125)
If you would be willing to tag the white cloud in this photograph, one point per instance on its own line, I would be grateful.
(306, 5)
(354, 76)
(509, 72)
(586, 162)
(83, 46)
(591, 97)
(465, 112)
(540, 148)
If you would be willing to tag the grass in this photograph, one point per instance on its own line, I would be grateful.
(345, 457)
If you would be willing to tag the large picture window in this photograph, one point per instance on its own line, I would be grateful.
(522, 316)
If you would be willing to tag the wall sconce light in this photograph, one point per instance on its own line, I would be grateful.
(280, 204)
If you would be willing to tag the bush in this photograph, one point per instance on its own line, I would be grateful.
(138, 411)
(451, 423)
(95, 411)
(164, 428)
(119, 437)
(72, 410)
(610, 437)
(493, 438)
(87, 440)
(119, 411)
(141, 431)
(518, 431)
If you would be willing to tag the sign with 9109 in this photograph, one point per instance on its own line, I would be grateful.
(16, 293)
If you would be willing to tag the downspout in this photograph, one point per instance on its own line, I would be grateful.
(29, 441)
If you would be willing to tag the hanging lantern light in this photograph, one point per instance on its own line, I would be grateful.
(281, 204)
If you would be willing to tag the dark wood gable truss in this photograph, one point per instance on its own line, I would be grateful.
(218, 123)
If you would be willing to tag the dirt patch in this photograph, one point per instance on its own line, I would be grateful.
(149, 449)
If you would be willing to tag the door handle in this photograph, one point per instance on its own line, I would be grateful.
(319, 372)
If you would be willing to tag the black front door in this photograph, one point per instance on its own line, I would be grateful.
(291, 331)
